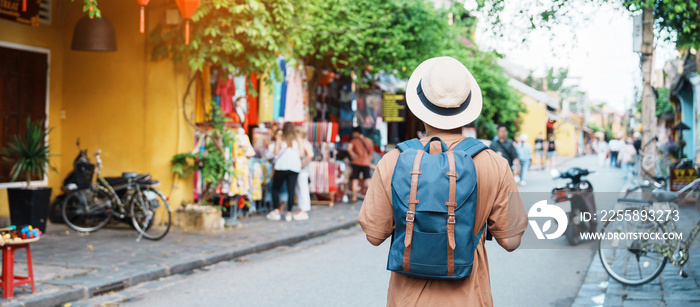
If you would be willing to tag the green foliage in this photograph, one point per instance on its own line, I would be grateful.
(212, 162)
(245, 35)
(390, 35)
(679, 16)
(663, 104)
(29, 153)
(90, 6)
(594, 127)
(502, 104)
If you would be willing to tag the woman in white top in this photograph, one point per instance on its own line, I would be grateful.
(302, 191)
(287, 165)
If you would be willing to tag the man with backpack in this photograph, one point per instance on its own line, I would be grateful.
(439, 196)
(360, 151)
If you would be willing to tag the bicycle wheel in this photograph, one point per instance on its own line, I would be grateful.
(87, 210)
(147, 218)
(629, 259)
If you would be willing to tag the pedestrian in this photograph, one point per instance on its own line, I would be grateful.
(539, 151)
(504, 146)
(627, 157)
(286, 165)
(602, 151)
(615, 145)
(525, 157)
(360, 151)
(306, 152)
(444, 95)
(551, 152)
(638, 157)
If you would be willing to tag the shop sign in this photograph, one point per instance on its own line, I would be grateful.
(394, 108)
(680, 177)
(13, 10)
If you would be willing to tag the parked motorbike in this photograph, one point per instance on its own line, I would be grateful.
(579, 193)
(79, 178)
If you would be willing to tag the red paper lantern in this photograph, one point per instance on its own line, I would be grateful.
(142, 23)
(24, 5)
(187, 9)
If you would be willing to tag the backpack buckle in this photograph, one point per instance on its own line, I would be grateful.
(451, 219)
(410, 216)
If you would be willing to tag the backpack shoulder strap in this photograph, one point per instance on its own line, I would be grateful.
(471, 145)
(414, 143)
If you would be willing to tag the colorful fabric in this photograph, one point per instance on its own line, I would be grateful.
(266, 101)
(294, 105)
(283, 94)
(253, 100)
(277, 100)
(226, 89)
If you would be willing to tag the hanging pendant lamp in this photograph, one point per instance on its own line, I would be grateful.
(142, 24)
(24, 5)
(94, 34)
(187, 9)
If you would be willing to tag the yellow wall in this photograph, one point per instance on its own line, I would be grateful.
(565, 137)
(120, 102)
(534, 121)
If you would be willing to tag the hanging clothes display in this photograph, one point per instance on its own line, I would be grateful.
(322, 132)
(266, 101)
(294, 105)
(283, 95)
(226, 89)
(240, 83)
(203, 96)
(322, 177)
(253, 100)
(277, 100)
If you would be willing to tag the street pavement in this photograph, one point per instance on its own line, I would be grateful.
(344, 270)
(70, 266)
(321, 262)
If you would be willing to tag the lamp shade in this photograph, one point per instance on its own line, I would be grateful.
(96, 34)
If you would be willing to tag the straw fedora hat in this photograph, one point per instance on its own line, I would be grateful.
(443, 93)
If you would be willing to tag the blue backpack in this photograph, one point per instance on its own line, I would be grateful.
(434, 201)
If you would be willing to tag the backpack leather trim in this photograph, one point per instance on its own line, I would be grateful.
(451, 204)
(411, 213)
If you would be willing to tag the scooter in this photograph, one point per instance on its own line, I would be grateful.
(579, 193)
(79, 178)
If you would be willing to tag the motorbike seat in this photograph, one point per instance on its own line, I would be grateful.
(115, 180)
(129, 175)
(664, 195)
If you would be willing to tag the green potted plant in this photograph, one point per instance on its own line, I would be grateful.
(29, 155)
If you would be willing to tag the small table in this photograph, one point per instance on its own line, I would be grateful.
(9, 281)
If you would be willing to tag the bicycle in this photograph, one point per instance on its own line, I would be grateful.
(131, 196)
(641, 237)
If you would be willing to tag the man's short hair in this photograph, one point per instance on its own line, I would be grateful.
(502, 126)
(357, 129)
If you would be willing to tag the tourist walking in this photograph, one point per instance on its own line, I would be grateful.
(443, 94)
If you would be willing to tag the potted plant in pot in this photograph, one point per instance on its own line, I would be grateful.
(29, 155)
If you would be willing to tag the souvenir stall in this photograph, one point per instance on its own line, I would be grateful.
(323, 171)
(255, 105)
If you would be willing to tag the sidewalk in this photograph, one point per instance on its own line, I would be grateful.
(70, 266)
(668, 289)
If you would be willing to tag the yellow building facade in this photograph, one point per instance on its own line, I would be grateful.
(121, 102)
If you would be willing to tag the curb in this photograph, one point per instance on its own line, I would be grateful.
(77, 292)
